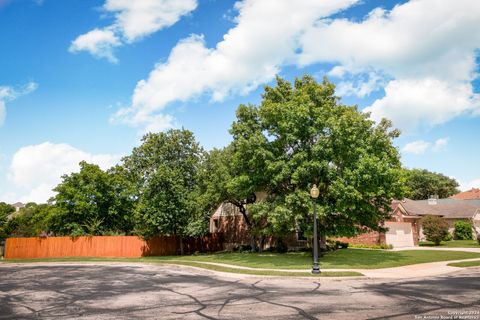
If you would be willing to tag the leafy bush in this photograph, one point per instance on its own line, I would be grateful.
(341, 245)
(242, 248)
(435, 229)
(281, 246)
(332, 245)
(463, 230)
(448, 237)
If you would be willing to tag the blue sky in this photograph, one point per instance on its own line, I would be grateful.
(85, 79)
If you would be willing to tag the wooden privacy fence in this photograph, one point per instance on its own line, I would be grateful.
(108, 246)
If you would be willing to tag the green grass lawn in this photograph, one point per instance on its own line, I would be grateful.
(453, 244)
(340, 259)
(465, 264)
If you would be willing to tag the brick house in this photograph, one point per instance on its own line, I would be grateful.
(403, 230)
(452, 210)
(404, 226)
(228, 220)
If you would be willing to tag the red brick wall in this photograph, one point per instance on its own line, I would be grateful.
(370, 238)
(235, 232)
(234, 229)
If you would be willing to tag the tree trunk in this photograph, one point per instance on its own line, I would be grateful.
(243, 211)
(181, 246)
(261, 244)
(253, 243)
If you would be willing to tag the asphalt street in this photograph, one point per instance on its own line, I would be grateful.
(144, 291)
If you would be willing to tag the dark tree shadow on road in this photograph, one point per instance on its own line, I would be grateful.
(77, 291)
(73, 287)
(416, 297)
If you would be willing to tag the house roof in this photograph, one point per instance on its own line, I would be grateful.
(472, 194)
(451, 209)
(18, 205)
(226, 209)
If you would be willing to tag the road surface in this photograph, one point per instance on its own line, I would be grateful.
(148, 291)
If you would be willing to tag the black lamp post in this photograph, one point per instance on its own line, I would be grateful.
(314, 194)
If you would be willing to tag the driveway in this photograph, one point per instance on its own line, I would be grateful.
(147, 291)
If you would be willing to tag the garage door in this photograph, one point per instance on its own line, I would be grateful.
(399, 234)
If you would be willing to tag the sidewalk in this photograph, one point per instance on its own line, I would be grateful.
(403, 272)
(477, 250)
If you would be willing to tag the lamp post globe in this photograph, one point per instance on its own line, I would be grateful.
(314, 193)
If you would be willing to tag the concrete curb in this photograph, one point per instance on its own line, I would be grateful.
(402, 272)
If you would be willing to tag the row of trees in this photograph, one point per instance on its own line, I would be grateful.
(153, 191)
(299, 135)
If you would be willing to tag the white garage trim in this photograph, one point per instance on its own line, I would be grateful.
(476, 221)
(400, 234)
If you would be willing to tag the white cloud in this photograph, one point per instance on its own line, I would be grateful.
(134, 20)
(99, 43)
(265, 37)
(440, 144)
(9, 94)
(414, 103)
(416, 147)
(424, 62)
(35, 170)
(421, 146)
(426, 48)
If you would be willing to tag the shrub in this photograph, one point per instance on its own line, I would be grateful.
(341, 245)
(243, 248)
(463, 230)
(332, 245)
(435, 229)
(448, 237)
(281, 246)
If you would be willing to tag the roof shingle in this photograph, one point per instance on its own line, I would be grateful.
(449, 209)
(472, 194)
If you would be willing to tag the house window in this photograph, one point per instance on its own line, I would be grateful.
(215, 225)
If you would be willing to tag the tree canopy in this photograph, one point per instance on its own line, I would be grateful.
(31, 221)
(5, 210)
(300, 135)
(421, 184)
(93, 201)
(165, 170)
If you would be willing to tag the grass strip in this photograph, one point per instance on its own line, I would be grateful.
(266, 272)
(452, 244)
(340, 259)
(195, 264)
(465, 264)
